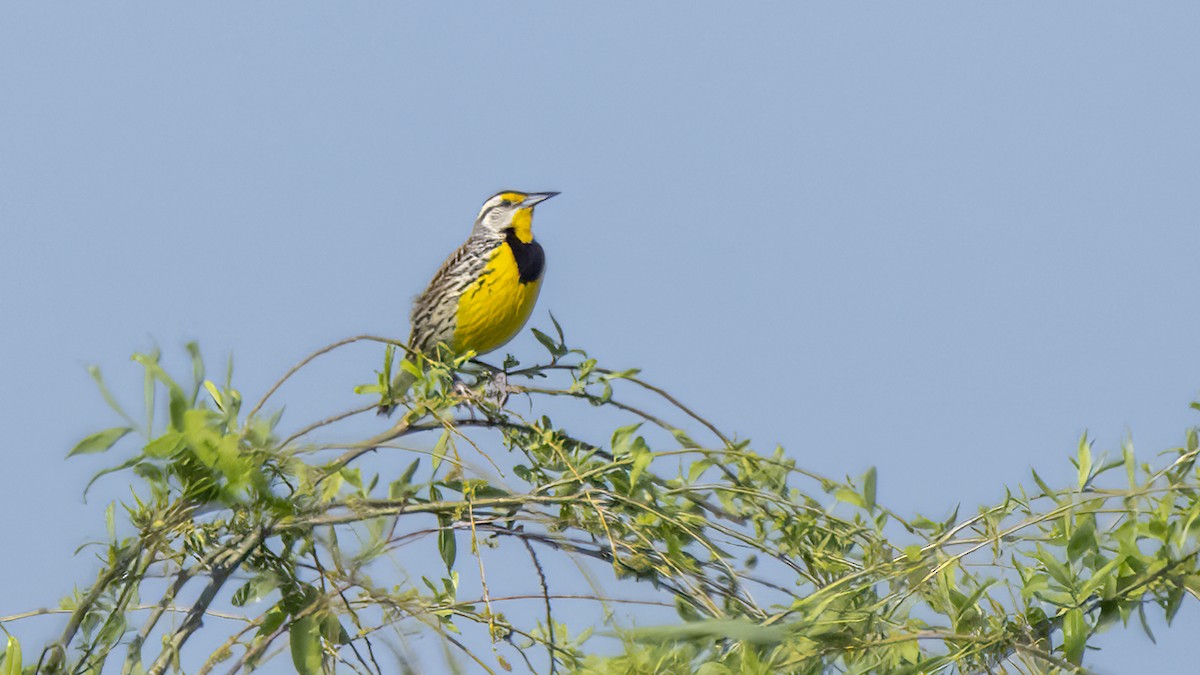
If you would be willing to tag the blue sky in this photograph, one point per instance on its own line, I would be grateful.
(944, 239)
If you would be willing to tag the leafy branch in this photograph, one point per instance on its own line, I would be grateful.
(767, 567)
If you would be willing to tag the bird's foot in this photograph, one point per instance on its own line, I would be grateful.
(494, 392)
(463, 391)
(497, 390)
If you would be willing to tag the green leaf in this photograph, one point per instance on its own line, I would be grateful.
(99, 441)
(352, 476)
(1056, 568)
(12, 657)
(151, 474)
(389, 358)
(556, 350)
(622, 437)
(1099, 577)
(683, 439)
(331, 487)
(1110, 613)
(1174, 602)
(333, 631)
(557, 329)
(923, 523)
(1141, 608)
(845, 494)
(402, 487)
(447, 545)
(622, 374)
(176, 400)
(254, 590)
(642, 456)
(214, 394)
(111, 630)
(1130, 462)
(148, 390)
(1045, 488)
(165, 446)
(909, 650)
(1084, 461)
(439, 450)
(124, 465)
(306, 645)
(110, 522)
(952, 519)
(272, 620)
(1075, 635)
(698, 468)
(868, 481)
(193, 351)
(108, 396)
(1083, 539)
(411, 368)
(486, 491)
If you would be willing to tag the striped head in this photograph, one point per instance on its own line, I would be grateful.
(510, 210)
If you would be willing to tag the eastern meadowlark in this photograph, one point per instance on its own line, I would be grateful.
(482, 295)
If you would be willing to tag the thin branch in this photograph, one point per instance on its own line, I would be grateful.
(1051, 659)
(221, 571)
(537, 565)
(134, 657)
(323, 350)
(47, 611)
(54, 654)
(367, 509)
(675, 402)
(327, 421)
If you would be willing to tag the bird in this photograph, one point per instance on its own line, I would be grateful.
(483, 294)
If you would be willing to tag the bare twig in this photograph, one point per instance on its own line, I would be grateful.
(223, 567)
(537, 565)
(323, 350)
(53, 655)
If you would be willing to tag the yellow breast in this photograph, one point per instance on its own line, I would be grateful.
(493, 309)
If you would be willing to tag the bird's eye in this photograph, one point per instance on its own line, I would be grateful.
(505, 202)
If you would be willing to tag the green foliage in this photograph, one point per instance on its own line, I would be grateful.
(768, 568)
(307, 654)
(11, 663)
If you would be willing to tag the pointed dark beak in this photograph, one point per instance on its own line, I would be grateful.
(535, 198)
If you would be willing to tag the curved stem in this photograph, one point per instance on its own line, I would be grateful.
(323, 350)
